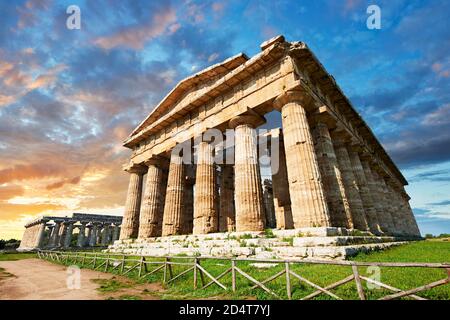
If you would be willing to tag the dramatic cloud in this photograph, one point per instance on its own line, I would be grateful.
(136, 37)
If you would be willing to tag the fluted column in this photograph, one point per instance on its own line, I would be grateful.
(105, 235)
(89, 235)
(340, 213)
(173, 208)
(81, 235)
(308, 203)
(248, 188)
(205, 210)
(387, 220)
(115, 235)
(130, 222)
(150, 221)
(55, 234)
(188, 213)
(280, 184)
(364, 192)
(227, 221)
(67, 236)
(350, 185)
(269, 207)
(93, 235)
(413, 228)
(40, 235)
(376, 195)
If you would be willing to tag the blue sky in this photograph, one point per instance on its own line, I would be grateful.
(69, 97)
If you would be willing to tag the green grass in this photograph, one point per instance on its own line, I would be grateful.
(110, 285)
(16, 256)
(323, 275)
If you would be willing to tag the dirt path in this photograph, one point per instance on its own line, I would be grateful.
(41, 280)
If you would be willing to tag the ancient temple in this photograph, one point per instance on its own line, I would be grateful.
(49, 232)
(200, 152)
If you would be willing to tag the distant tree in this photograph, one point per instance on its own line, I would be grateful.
(429, 236)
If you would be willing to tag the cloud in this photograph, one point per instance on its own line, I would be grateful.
(440, 203)
(10, 191)
(441, 116)
(13, 211)
(137, 36)
(61, 183)
(32, 171)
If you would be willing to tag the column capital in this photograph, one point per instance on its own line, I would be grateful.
(294, 95)
(135, 168)
(252, 119)
(158, 161)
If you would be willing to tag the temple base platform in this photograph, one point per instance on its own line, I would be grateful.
(308, 243)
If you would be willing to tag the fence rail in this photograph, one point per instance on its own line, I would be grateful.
(125, 264)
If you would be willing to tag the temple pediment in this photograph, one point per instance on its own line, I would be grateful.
(191, 87)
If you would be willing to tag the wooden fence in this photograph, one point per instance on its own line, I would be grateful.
(125, 264)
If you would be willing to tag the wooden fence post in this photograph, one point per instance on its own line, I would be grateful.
(233, 275)
(122, 267)
(288, 281)
(165, 270)
(141, 263)
(195, 273)
(359, 286)
(95, 259)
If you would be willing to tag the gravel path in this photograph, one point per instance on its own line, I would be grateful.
(35, 279)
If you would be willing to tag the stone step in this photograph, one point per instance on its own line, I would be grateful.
(331, 252)
(339, 240)
(281, 252)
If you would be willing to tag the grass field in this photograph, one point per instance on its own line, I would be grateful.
(402, 278)
(16, 256)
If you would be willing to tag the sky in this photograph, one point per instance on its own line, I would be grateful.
(68, 98)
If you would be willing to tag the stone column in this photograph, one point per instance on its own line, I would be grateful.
(280, 183)
(387, 221)
(397, 212)
(93, 235)
(173, 208)
(150, 221)
(364, 192)
(115, 235)
(81, 235)
(349, 181)
(340, 213)
(413, 228)
(205, 198)
(89, 235)
(248, 189)
(227, 221)
(374, 193)
(105, 234)
(55, 234)
(49, 235)
(308, 203)
(40, 235)
(269, 204)
(130, 222)
(68, 235)
(188, 213)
